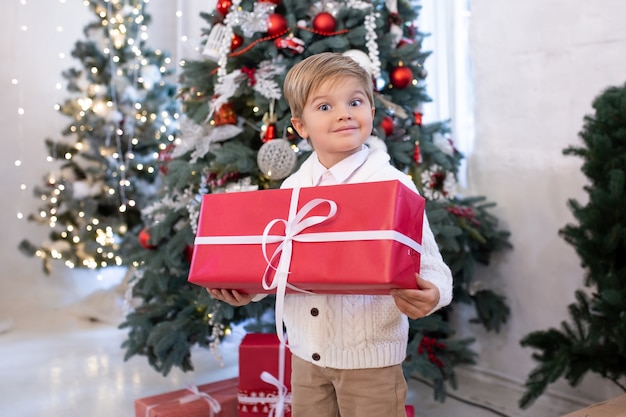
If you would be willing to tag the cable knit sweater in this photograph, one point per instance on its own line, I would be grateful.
(358, 331)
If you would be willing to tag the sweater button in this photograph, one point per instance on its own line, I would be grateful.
(315, 312)
(316, 357)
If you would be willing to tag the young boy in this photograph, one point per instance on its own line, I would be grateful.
(348, 349)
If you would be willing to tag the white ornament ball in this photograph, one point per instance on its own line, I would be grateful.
(362, 58)
(276, 159)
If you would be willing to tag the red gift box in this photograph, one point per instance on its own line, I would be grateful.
(410, 411)
(260, 356)
(192, 402)
(369, 245)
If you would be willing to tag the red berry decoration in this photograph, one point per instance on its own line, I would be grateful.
(144, 239)
(223, 6)
(401, 77)
(276, 24)
(324, 23)
(387, 125)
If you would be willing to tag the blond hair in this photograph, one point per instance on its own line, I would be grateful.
(310, 73)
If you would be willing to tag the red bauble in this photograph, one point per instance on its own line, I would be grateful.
(235, 42)
(144, 239)
(324, 23)
(276, 2)
(387, 125)
(276, 24)
(401, 77)
(223, 6)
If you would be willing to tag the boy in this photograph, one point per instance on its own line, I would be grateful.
(348, 349)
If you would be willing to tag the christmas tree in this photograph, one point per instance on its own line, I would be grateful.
(236, 135)
(122, 116)
(593, 340)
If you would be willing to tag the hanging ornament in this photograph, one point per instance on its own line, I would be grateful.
(417, 153)
(144, 239)
(268, 130)
(395, 20)
(276, 2)
(223, 6)
(276, 24)
(401, 76)
(418, 117)
(324, 22)
(213, 45)
(236, 41)
(276, 159)
(387, 125)
(225, 115)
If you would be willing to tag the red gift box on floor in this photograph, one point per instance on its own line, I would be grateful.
(194, 402)
(352, 238)
(260, 388)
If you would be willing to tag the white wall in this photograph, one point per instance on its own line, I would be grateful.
(537, 66)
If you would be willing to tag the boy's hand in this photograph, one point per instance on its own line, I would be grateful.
(232, 297)
(417, 303)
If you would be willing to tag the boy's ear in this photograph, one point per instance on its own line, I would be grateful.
(299, 126)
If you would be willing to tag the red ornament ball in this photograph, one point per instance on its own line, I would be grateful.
(324, 22)
(276, 24)
(235, 42)
(401, 77)
(387, 125)
(144, 239)
(223, 6)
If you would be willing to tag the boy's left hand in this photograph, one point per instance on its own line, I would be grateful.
(416, 303)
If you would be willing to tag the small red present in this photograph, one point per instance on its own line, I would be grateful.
(264, 376)
(410, 411)
(216, 399)
(360, 238)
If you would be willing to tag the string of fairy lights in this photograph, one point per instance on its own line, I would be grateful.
(119, 34)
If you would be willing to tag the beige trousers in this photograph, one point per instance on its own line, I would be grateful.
(327, 392)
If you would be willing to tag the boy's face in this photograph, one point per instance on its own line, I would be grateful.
(337, 118)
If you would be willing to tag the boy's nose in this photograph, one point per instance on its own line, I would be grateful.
(345, 115)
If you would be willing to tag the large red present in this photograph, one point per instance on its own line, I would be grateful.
(218, 398)
(264, 376)
(360, 238)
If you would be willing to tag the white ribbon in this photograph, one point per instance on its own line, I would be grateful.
(196, 394)
(295, 224)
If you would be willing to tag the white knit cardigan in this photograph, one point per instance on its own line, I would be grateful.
(358, 331)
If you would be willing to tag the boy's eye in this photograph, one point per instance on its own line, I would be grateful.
(324, 107)
(356, 102)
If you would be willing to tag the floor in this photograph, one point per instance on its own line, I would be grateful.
(55, 362)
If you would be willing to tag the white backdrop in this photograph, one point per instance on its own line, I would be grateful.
(537, 66)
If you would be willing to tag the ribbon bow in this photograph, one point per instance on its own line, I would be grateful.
(196, 394)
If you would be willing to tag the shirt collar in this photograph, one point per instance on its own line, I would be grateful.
(343, 169)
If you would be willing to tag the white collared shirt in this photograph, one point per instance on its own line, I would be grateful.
(341, 171)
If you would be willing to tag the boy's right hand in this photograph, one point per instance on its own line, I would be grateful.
(232, 297)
